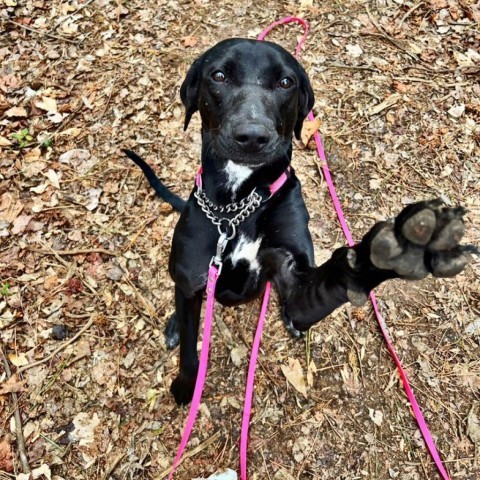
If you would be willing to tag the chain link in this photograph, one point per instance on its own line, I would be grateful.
(246, 206)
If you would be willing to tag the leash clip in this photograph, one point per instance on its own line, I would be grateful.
(217, 259)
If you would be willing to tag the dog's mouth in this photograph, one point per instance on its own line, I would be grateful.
(251, 158)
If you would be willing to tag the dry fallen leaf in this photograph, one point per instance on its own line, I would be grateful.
(227, 474)
(6, 457)
(308, 129)
(48, 104)
(387, 103)
(4, 142)
(16, 112)
(19, 360)
(238, 354)
(190, 41)
(376, 416)
(294, 374)
(43, 470)
(9, 207)
(354, 51)
(13, 384)
(84, 426)
(20, 224)
(473, 427)
(53, 177)
(312, 369)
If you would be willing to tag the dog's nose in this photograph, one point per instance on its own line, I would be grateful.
(251, 137)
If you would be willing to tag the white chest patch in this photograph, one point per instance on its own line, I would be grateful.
(247, 250)
(236, 175)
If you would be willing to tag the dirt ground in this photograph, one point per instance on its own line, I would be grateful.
(84, 243)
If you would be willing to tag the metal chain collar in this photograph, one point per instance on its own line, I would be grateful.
(246, 206)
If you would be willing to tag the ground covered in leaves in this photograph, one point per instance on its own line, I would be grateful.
(85, 292)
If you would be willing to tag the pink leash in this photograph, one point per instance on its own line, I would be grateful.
(213, 274)
(381, 322)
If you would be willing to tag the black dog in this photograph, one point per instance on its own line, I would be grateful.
(252, 97)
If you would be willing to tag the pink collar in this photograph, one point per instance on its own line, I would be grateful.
(273, 187)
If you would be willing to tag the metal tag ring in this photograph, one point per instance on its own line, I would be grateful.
(229, 225)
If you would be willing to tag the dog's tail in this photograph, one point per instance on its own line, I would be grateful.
(160, 189)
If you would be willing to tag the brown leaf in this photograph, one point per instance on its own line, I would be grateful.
(33, 155)
(309, 128)
(473, 427)
(9, 208)
(21, 223)
(50, 282)
(16, 112)
(401, 87)
(48, 104)
(294, 374)
(9, 82)
(438, 4)
(12, 385)
(190, 41)
(6, 457)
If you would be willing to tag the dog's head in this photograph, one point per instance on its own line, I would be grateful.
(252, 97)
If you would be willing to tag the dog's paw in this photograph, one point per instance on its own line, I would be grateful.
(182, 388)
(424, 238)
(172, 334)
(297, 334)
(289, 327)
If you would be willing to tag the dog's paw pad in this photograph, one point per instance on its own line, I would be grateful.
(385, 247)
(449, 236)
(446, 264)
(419, 228)
(425, 239)
(410, 264)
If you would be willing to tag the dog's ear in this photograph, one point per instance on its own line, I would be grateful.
(306, 100)
(190, 89)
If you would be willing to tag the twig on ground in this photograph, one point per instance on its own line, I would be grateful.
(147, 222)
(109, 97)
(81, 7)
(150, 310)
(75, 251)
(59, 349)
(383, 34)
(38, 32)
(351, 67)
(18, 421)
(113, 466)
(418, 5)
(192, 453)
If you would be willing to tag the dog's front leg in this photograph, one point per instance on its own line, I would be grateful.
(423, 239)
(188, 317)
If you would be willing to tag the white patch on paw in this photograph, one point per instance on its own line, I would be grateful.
(247, 250)
(236, 175)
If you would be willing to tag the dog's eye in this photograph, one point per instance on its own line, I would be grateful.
(285, 83)
(218, 76)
